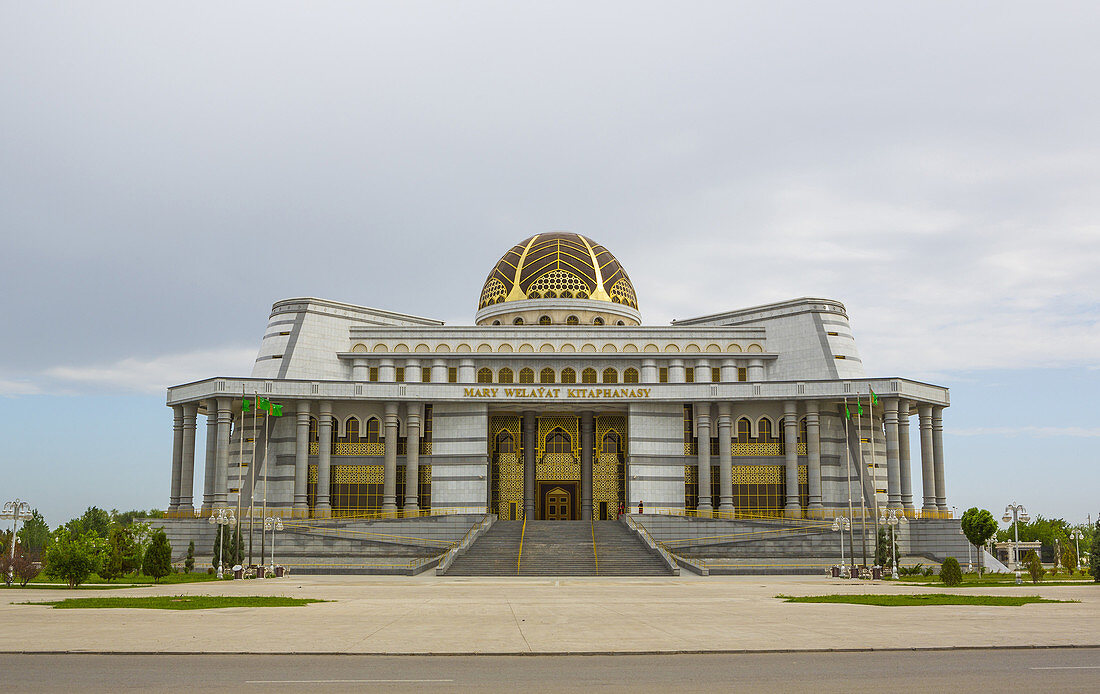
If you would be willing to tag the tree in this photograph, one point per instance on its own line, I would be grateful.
(138, 535)
(22, 565)
(1094, 554)
(114, 564)
(158, 558)
(882, 546)
(1034, 566)
(979, 525)
(1069, 559)
(950, 572)
(233, 550)
(73, 558)
(94, 519)
(34, 533)
(189, 563)
(128, 517)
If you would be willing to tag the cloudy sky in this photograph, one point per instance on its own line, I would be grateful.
(168, 173)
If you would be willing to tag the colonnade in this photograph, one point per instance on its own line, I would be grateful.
(896, 421)
(218, 429)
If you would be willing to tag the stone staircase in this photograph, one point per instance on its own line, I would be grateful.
(558, 548)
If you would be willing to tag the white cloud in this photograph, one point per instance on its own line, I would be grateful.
(9, 388)
(155, 374)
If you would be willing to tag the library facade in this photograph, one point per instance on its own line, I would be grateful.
(559, 404)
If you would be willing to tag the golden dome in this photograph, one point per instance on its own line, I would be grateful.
(560, 265)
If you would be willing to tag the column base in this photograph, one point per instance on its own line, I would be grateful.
(186, 509)
(411, 509)
(794, 511)
(389, 506)
(726, 505)
(322, 510)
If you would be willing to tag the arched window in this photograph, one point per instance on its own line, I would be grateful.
(764, 427)
(505, 442)
(611, 443)
(802, 430)
(572, 320)
(568, 375)
(744, 430)
(505, 375)
(546, 375)
(588, 376)
(558, 442)
(534, 295)
(373, 433)
(351, 429)
(616, 300)
(550, 294)
(619, 322)
(314, 437)
(544, 320)
(518, 320)
(484, 375)
(597, 321)
(567, 294)
(630, 376)
(526, 375)
(496, 322)
(610, 375)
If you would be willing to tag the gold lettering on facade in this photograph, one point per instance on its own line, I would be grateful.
(558, 393)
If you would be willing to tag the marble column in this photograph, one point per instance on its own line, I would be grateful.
(756, 370)
(387, 372)
(412, 371)
(893, 459)
(221, 472)
(702, 371)
(702, 433)
(725, 455)
(301, 460)
(439, 371)
(928, 469)
(359, 370)
(813, 455)
(588, 426)
(530, 424)
(729, 371)
(211, 455)
(466, 371)
(790, 445)
(649, 371)
(323, 507)
(389, 460)
(904, 460)
(177, 455)
(675, 370)
(937, 457)
(412, 456)
(187, 468)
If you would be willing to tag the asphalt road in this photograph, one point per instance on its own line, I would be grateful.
(1043, 669)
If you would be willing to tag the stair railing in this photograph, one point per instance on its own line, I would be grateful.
(595, 554)
(519, 557)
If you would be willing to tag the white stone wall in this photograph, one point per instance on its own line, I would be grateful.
(460, 462)
(655, 473)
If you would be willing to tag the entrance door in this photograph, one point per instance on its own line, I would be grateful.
(559, 504)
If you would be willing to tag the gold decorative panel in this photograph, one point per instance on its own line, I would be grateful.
(606, 423)
(558, 281)
(493, 292)
(359, 449)
(568, 423)
(607, 483)
(563, 469)
(314, 448)
(357, 474)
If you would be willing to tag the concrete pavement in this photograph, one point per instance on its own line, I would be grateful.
(440, 615)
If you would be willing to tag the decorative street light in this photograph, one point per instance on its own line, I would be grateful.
(969, 556)
(892, 519)
(273, 523)
(14, 510)
(841, 524)
(1013, 514)
(1077, 536)
(223, 518)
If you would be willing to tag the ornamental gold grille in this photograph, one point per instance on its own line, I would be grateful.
(506, 468)
(608, 485)
(560, 469)
(493, 292)
(357, 474)
(547, 424)
(558, 281)
(609, 423)
(340, 448)
(623, 293)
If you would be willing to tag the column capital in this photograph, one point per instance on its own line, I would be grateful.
(790, 409)
(325, 407)
(812, 409)
(305, 407)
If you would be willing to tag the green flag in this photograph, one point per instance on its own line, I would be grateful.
(276, 410)
(264, 404)
(246, 405)
(860, 410)
(847, 412)
(874, 398)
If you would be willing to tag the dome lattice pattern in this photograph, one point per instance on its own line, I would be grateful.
(560, 265)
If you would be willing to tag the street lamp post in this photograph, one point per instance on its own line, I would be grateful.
(892, 519)
(14, 510)
(1076, 536)
(969, 556)
(1013, 514)
(221, 520)
(274, 524)
(841, 524)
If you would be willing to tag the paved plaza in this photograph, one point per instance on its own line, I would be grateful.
(440, 615)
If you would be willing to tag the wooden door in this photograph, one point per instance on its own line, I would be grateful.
(559, 504)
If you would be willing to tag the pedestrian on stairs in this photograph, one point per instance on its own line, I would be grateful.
(640, 503)
(621, 509)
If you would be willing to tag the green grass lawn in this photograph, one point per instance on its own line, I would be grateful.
(995, 580)
(179, 602)
(926, 599)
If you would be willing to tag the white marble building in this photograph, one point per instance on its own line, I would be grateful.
(559, 403)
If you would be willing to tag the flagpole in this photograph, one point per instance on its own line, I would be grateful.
(252, 473)
(862, 480)
(263, 537)
(240, 476)
(848, 464)
(874, 467)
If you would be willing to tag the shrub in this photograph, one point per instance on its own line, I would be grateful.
(1034, 566)
(1069, 559)
(73, 559)
(189, 563)
(929, 571)
(950, 572)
